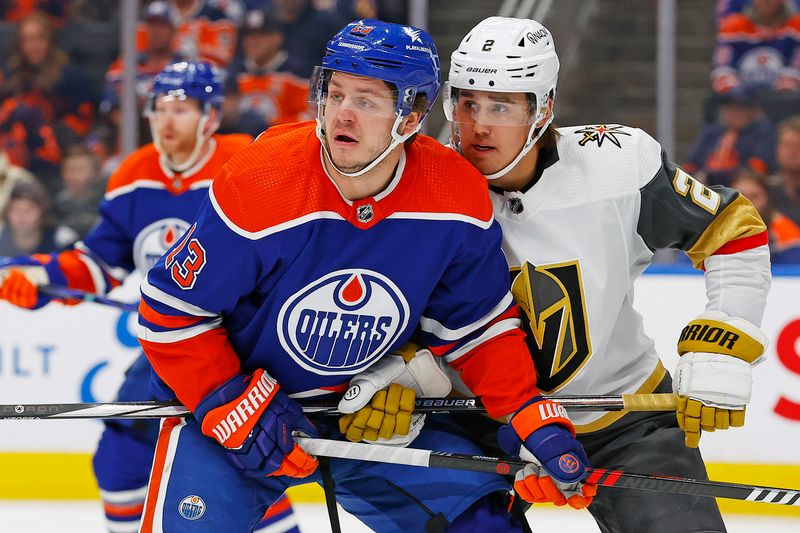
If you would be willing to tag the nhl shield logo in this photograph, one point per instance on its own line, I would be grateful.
(341, 323)
(364, 213)
(192, 507)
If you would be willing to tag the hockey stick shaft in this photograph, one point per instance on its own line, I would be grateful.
(628, 402)
(73, 294)
(605, 478)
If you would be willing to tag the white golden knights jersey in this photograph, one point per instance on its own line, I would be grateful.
(583, 230)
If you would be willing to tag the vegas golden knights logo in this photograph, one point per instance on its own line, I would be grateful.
(550, 298)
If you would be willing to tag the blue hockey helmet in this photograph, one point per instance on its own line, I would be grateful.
(189, 79)
(183, 80)
(403, 56)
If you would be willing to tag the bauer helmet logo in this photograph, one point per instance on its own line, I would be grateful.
(482, 70)
(568, 463)
(192, 507)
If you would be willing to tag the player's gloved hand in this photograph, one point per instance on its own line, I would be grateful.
(380, 400)
(19, 284)
(541, 434)
(713, 379)
(253, 420)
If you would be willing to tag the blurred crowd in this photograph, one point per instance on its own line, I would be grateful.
(61, 82)
(751, 139)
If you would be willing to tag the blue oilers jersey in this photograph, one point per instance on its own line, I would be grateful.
(281, 272)
(145, 210)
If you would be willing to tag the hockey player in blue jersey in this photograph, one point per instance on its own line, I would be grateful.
(148, 204)
(322, 248)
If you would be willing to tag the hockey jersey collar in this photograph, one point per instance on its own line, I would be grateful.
(524, 203)
(189, 172)
(366, 212)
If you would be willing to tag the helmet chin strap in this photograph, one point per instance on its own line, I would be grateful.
(200, 137)
(525, 149)
(397, 139)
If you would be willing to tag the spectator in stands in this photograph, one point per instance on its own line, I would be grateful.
(10, 175)
(103, 141)
(16, 10)
(758, 49)
(729, 7)
(306, 31)
(29, 141)
(28, 226)
(76, 204)
(784, 234)
(262, 87)
(39, 74)
(388, 10)
(92, 10)
(159, 52)
(741, 139)
(785, 190)
(205, 29)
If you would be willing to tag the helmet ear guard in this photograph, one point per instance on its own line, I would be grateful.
(402, 56)
(506, 55)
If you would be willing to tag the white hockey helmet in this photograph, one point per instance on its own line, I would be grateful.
(503, 54)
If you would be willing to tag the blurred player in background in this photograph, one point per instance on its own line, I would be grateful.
(582, 211)
(320, 250)
(146, 208)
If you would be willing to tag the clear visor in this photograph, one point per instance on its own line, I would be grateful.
(170, 96)
(368, 99)
(467, 106)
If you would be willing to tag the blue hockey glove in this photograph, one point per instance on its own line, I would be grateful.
(541, 433)
(253, 420)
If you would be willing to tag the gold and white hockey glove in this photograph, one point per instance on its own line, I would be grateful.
(713, 379)
(380, 400)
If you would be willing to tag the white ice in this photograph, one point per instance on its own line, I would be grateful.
(86, 517)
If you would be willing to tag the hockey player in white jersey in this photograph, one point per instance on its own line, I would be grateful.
(582, 211)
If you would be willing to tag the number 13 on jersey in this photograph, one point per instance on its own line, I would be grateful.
(184, 269)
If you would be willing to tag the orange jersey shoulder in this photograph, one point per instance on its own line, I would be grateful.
(279, 178)
(230, 144)
(142, 164)
(447, 182)
(276, 179)
(736, 23)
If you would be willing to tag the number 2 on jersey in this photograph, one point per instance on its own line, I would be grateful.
(701, 195)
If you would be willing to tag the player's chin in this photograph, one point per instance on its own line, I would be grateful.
(485, 163)
(351, 167)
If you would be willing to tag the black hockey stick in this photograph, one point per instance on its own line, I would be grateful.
(623, 402)
(72, 294)
(605, 478)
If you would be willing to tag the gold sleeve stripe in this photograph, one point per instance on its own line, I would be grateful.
(649, 385)
(739, 219)
(712, 336)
